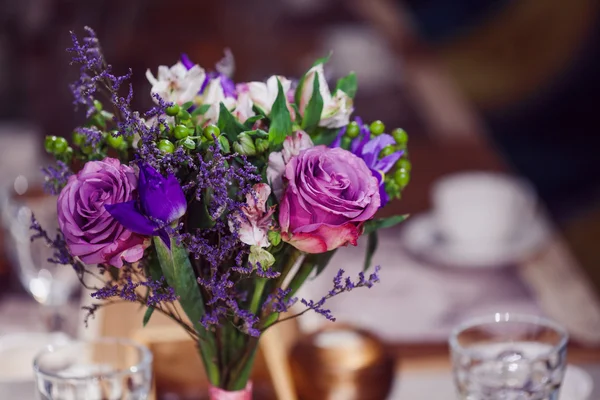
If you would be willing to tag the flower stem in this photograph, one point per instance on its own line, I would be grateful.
(298, 279)
(257, 295)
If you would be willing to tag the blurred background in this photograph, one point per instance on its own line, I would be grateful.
(508, 87)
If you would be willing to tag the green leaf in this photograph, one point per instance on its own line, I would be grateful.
(323, 136)
(187, 105)
(321, 260)
(347, 84)
(200, 110)
(382, 223)
(228, 124)
(147, 315)
(259, 111)
(258, 133)
(197, 213)
(153, 265)
(281, 123)
(178, 271)
(312, 114)
(371, 248)
(323, 60)
(114, 273)
(224, 144)
(298, 94)
(250, 121)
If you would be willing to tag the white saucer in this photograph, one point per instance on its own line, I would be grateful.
(421, 238)
(577, 384)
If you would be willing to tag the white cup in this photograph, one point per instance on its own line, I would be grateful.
(481, 210)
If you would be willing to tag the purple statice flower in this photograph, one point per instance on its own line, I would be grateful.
(126, 289)
(55, 178)
(160, 293)
(224, 71)
(268, 273)
(369, 149)
(217, 250)
(96, 77)
(61, 253)
(341, 285)
(279, 301)
(93, 135)
(160, 202)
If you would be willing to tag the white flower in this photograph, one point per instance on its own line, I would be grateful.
(262, 256)
(263, 94)
(292, 146)
(253, 226)
(243, 107)
(226, 65)
(214, 95)
(336, 109)
(177, 84)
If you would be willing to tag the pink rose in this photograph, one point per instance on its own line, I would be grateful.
(91, 233)
(330, 193)
(292, 146)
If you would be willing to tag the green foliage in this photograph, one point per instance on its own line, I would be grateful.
(201, 110)
(322, 135)
(382, 223)
(228, 124)
(348, 84)
(281, 123)
(323, 60)
(312, 114)
(179, 273)
(372, 243)
(147, 315)
(249, 124)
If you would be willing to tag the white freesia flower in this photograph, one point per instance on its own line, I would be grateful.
(177, 84)
(214, 95)
(336, 109)
(263, 94)
(243, 107)
(253, 226)
(292, 146)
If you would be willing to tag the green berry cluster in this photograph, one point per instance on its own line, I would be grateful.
(110, 139)
(397, 179)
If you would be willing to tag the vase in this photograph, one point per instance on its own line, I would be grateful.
(216, 393)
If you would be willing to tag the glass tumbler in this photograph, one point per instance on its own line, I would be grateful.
(103, 369)
(508, 357)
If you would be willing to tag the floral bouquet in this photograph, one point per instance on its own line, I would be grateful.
(223, 197)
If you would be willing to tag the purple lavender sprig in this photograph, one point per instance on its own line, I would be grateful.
(280, 303)
(126, 289)
(61, 252)
(56, 177)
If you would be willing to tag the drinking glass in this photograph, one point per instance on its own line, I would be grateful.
(103, 369)
(49, 284)
(508, 357)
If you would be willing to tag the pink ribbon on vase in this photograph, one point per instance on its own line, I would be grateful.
(216, 393)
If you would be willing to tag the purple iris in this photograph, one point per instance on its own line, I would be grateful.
(369, 149)
(160, 202)
(226, 82)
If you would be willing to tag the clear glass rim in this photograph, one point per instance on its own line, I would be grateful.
(144, 362)
(501, 317)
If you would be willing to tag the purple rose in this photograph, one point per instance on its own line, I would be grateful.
(330, 193)
(91, 233)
